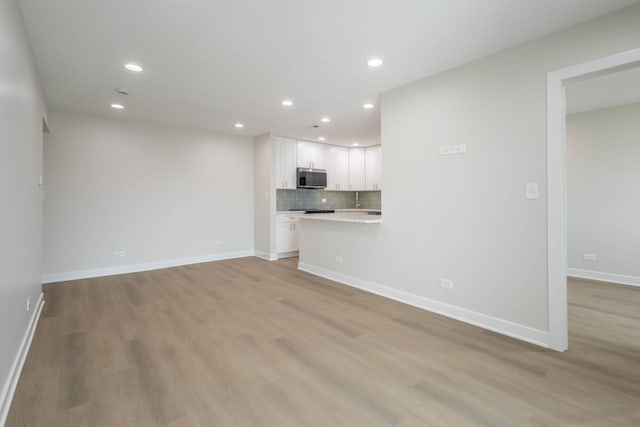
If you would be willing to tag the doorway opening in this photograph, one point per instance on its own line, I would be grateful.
(556, 182)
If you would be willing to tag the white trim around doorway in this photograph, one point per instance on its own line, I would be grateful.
(556, 182)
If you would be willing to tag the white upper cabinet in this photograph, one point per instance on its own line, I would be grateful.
(356, 169)
(337, 165)
(311, 155)
(285, 163)
(373, 175)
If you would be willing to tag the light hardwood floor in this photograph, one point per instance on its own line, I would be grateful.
(248, 342)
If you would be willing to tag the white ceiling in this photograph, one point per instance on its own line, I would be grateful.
(606, 91)
(211, 63)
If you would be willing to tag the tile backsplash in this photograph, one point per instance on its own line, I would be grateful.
(312, 199)
(370, 199)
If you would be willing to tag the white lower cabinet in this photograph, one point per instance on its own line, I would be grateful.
(287, 234)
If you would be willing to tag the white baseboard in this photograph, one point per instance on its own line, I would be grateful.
(265, 255)
(292, 254)
(603, 277)
(135, 268)
(514, 330)
(9, 387)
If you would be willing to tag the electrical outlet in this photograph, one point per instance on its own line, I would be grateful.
(121, 254)
(219, 242)
(339, 259)
(531, 191)
(29, 304)
(324, 200)
(446, 283)
(589, 257)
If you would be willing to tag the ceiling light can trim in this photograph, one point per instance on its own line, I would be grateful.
(133, 67)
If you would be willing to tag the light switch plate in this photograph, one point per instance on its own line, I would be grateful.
(531, 191)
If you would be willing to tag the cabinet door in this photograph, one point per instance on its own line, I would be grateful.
(294, 241)
(285, 163)
(310, 155)
(289, 162)
(304, 154)
(337, 166)
(283, 229)
(287, 239)
(356, 169)
(330, 160)
(341, 165)
(317, 155)
(372, 174)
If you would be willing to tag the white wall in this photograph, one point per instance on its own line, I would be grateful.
(465, 217)
(21, 113)
(264, 205)
(603, 190)
(160, 193)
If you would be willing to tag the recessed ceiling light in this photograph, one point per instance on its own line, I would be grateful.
(355, 144)
(117, 106)
(325, 119)
(287, 103)
(322, 138)
(133, 67)
(374, 62)
(368, 106)
(239, 125)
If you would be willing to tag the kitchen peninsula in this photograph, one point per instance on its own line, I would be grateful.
(340, 246)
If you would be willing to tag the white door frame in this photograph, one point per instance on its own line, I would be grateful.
(556, 182)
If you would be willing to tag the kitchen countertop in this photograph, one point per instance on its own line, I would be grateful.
(337, 211)
(347, 215)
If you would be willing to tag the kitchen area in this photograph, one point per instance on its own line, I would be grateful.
(318, 183)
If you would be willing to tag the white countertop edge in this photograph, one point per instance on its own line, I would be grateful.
(337, 210)
(336, 218)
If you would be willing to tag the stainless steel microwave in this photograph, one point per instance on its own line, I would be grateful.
(311, 178)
